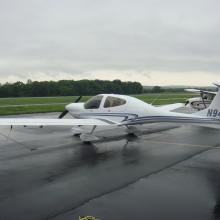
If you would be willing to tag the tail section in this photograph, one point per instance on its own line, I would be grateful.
(213, 111)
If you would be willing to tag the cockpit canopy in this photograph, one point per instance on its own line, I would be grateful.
(94, 102)
(110, 101)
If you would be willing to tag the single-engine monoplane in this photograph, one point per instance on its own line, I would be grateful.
(110, 111)
(201, 102)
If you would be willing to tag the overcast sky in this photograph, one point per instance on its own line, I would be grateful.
(150, 41)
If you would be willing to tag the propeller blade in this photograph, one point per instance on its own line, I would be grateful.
(187, 102)
(63, 114)
(78, 99)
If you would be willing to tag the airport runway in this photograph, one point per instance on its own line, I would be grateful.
(170, 172)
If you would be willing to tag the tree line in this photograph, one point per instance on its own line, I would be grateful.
(68, 88)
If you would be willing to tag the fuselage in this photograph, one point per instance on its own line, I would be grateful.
(116, 108)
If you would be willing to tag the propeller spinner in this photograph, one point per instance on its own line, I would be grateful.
(66, 111)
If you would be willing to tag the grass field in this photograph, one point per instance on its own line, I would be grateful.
(10, 106)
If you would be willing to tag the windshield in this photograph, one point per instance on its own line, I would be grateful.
(94, 102)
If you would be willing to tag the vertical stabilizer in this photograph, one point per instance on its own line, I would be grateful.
(213, 111)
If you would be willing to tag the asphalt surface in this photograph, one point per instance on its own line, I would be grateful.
(168, 172)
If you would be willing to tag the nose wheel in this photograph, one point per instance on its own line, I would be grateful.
(132, 131)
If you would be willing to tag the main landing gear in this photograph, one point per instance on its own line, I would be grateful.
(85, 136)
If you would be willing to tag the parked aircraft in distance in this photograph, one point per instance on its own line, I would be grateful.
(201, 102)
(110, 111)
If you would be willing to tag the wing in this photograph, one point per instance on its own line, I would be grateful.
(198, 121)
(52, 122)
(200, 91)
(171, 107)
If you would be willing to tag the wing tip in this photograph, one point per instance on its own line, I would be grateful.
(216, 84)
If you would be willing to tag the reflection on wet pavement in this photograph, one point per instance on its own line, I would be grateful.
(167, 172)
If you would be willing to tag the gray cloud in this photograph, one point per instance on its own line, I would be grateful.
(77, 37)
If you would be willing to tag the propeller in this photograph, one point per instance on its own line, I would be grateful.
(66, 111)
(78, 99)
(63, 114)
(187, 102)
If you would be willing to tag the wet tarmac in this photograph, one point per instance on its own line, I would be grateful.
(168, 172)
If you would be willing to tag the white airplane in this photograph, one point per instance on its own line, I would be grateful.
(110, 111)
(201, 102)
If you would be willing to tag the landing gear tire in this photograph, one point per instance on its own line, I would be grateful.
(76, 135)
(87, 142)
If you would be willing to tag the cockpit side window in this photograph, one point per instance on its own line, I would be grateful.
(94, 102)
(113, 102)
